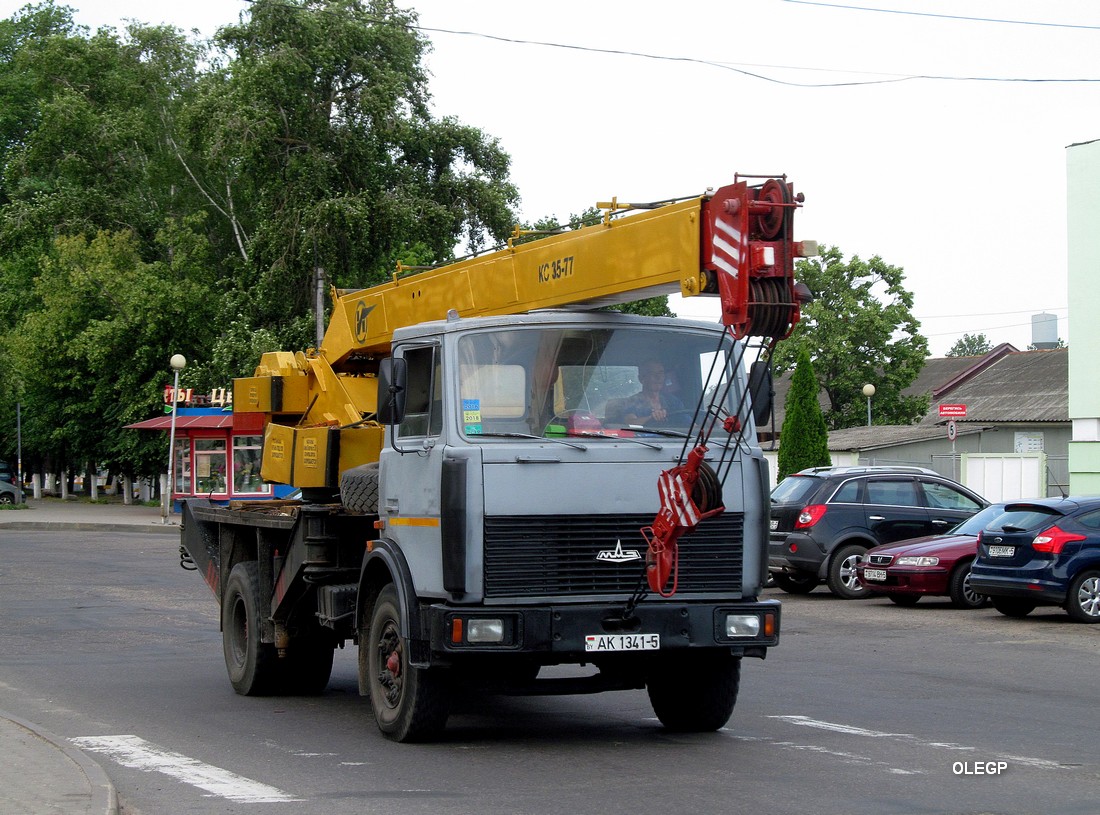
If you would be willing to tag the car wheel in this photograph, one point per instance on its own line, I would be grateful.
(6, 498)
(1083, 600)
(959, 590)
(904, 599)
(1013, 606)
(843, 578)
(795, 582)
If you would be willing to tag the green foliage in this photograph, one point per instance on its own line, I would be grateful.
(859, 329)
(804, 439)
(162, 196)
(91, 356)
(970, 345)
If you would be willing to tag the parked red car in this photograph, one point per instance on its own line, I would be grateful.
(938, 565)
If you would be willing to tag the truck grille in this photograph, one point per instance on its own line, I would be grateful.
(551, 555)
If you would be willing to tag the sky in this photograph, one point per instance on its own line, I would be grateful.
(931, 133)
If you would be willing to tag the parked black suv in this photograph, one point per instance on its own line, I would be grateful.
(825, 518)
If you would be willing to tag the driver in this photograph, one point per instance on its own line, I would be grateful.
(651, 404)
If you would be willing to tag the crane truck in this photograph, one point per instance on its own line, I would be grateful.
(483, 503)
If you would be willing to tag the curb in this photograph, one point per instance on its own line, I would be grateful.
(104, 795)
(88, 526)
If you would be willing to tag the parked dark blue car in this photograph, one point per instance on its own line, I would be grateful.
(1042, 552)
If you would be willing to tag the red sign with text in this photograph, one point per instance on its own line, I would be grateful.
(953, 411)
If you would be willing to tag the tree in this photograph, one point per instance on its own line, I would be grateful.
(859, 329)
(970, 345)
(313, 146)
(804, 440)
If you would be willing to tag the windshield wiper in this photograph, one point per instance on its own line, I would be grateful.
(574, 445)
(637, 428)
(590, 435)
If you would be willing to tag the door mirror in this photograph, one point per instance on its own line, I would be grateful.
(760, 389)
(393, 376)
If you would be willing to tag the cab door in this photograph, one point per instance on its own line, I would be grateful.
(409, 500)
(894, 509)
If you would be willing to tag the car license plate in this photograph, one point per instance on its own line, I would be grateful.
(774, 524)
(1002, 551)
(874, 574)
(622, 642)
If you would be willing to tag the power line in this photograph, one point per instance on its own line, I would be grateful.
(944, 16)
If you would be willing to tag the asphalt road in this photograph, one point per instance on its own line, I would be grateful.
(864, 708)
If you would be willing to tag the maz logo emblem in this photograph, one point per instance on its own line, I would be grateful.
(618, 554)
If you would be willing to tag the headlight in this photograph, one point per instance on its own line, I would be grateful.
(485, 631)
(917, 561)
(742, 625)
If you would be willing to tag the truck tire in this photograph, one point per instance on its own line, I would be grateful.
(359, 489)
(253, 665)
(410, 704)
(695, 692)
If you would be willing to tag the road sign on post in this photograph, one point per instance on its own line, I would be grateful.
(953, 411)
(952, 430)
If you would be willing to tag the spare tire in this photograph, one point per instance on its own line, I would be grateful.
(359, 489)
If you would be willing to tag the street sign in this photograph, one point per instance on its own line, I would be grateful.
(952, 430)
(956, 411)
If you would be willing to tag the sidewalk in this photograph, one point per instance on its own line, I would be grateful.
(80, 514)
(42, 774)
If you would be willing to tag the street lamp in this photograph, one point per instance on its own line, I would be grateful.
(178, 363)
(868, 391)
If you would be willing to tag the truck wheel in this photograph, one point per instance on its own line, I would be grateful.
(843, 578)
(410, 704)
(795, 582)
(359, 489)
(695, 692)
(253, 665)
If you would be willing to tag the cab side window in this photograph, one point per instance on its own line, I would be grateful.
(423, 398)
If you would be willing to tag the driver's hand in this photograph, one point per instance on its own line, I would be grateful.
(659, 414)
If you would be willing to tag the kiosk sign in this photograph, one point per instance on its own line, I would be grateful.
(952, 411)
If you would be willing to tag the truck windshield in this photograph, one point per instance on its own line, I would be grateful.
(595, 383)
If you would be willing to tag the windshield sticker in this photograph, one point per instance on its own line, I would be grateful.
(471, 415)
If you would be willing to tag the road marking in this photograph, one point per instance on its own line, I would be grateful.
(851, 730)
(138, 754)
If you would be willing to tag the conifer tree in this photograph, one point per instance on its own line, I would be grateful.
(804, 441)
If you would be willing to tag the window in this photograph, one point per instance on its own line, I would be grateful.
(182, 483)
(210, 466)
(1090, 520)
(246, 465)
(848, 493)
(423, 413)
(944, 496)
(893, 493)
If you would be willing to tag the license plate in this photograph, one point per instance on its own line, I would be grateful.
(774, 525)
(874, 574)
(1002, 551)
(622, 642)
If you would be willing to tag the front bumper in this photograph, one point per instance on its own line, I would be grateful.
(908, 581)
(557, 634)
